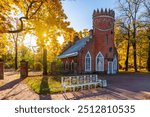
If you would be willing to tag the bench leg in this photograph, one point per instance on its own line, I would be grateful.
(88, 86)
(73, 89)
(95, 86)
(65, 90)
(81, 87)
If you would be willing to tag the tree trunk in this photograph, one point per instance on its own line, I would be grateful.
(134, 46)
(127, 57)
(128, 47)
(134, 56)
(16, 55)
(44, 61)
(148, 60)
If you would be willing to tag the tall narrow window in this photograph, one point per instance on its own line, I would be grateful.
(67, 65)
(115, 64)
(106, 39)
(110, 49)
(72, 65)
(88, 62)
(63, 65)
(99, 62)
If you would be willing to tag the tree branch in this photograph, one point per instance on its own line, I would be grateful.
(26, 17)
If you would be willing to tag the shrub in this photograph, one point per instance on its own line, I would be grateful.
(38, 66)
(8, 65)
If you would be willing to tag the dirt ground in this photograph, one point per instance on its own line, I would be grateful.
(123, 86)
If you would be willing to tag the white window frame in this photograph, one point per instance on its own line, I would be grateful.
(88, 70)
(101, 69)
(108, 70)
(115, 65)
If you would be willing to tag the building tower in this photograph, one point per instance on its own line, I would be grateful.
(103, 34)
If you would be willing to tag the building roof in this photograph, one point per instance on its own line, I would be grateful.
(74, 49)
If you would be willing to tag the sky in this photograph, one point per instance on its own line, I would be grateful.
(79, 12)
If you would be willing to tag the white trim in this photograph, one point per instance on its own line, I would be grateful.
(115, 65)
(108, 71)
(68, 55)
(102, 60)
(106, 16)
(90, 62)
(104, 29)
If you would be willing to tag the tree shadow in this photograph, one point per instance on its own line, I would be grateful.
(44, 89)
(10, 84)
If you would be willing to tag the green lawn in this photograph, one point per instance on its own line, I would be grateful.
(44, 84)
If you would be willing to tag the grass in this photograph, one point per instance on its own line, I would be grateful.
(132, 70)
(44, 84)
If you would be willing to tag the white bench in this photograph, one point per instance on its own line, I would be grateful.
(79, 81)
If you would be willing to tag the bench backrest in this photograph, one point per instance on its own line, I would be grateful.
(82, 79)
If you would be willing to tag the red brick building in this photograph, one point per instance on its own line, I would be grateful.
(95, 53)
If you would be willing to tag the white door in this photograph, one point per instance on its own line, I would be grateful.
(110, 67)
(115, 65)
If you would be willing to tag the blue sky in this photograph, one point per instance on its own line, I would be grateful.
(80, 12)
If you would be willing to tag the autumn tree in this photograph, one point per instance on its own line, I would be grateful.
(123, 34)
(83, 33)
(129, 10)
(3, 43)
(15, 41)
(147, 21)
(49, 26)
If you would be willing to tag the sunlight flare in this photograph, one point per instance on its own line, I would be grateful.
(60, 39)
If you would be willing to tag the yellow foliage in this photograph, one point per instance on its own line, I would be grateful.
(3, 43)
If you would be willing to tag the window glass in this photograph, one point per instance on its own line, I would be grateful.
(88, 62)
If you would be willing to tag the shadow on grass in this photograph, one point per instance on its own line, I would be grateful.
(44, 89)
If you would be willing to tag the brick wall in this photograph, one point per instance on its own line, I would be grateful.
(103, 27)
(99, 42)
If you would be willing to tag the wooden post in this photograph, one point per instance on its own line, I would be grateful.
(23, 69)
(1, 69)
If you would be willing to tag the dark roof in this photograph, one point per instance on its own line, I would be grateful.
(74, 49)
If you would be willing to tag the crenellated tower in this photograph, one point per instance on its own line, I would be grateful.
(103, 31)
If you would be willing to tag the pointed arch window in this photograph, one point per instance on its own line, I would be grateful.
(67, 65)
(99, 62)
(63, 65)
(106, 39)
(72, 65)
(88, 62)
(115, 64)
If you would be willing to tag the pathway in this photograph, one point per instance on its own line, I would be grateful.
(121, 86)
